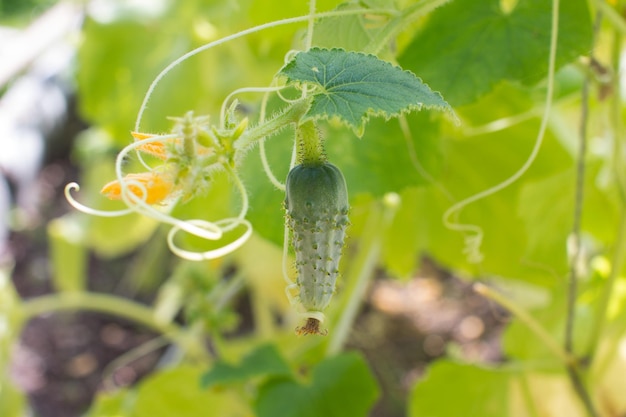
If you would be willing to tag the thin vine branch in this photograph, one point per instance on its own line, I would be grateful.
(109, 304)
(618, 257)
(573, 370)
(529, 321)
(474, 233)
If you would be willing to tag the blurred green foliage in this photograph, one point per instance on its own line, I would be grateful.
(490, 64)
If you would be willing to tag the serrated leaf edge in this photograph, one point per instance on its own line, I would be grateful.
(370, 112)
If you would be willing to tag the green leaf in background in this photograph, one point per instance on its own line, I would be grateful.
(339, 386)
(354, 86)
(522, 344)
(266, 212)
(385, 160)
(471, 166)
(177, 392)
(12, 399)
(167, 393)
(494, 44)
(120, 56)
(453, 390)
(68, 253)
(263, 361)
(351, 32)
(113, 404)
(547, 205)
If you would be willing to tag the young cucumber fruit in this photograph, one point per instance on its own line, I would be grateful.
(317, 213)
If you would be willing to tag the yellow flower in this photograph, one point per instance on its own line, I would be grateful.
(156, 149)
(158, 187)
(159, 150)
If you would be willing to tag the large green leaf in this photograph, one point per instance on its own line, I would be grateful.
(350, 32)
(468, 46)
(521, 343)
(263, 361)
(454, 389)
(471, 166)
(471, 390)
(177, 392)
(339, 386)
(354, 86)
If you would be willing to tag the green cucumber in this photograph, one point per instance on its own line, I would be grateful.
(317, 212)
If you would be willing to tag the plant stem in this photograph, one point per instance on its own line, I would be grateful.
(529, 321)
(573, 370)
(619, 252)
(270, 127)
(611, 15)
(276, 23)
(619, 246)
(574, 261)
(309, 144)
(362, 269)
(109, 304)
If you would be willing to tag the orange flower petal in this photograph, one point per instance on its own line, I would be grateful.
(158, 187)
(156, 149)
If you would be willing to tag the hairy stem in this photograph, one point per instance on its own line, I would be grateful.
(272, 126)
(241, 34)
(309, 143)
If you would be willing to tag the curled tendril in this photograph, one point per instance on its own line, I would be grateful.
(134, 193)
(229, 223)
(228, 99)
(73, 186)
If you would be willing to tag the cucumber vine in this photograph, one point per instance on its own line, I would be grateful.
(312, 108)
(334, 84)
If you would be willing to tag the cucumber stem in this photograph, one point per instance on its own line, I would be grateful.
(272, 126)
(309, 143)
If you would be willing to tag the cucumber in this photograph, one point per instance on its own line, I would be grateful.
(316, 204)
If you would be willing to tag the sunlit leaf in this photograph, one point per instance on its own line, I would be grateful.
(454, 389)
(493, 45)
(263, 361)
(354, 86)
(341, 386)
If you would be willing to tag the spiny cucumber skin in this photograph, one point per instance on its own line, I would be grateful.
(317, 212)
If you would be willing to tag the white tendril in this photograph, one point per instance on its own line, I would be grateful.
(266, 166)
(222, 226)
(473, 242)
(245, 204)
(214, 253)
(241, 34)
(73, 186)
(228, 98)
(138, 203)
